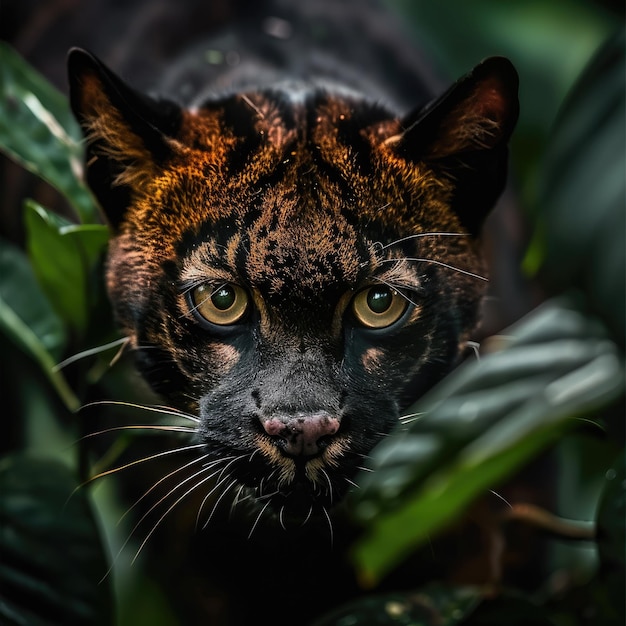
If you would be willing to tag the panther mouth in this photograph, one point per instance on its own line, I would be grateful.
(294, 489)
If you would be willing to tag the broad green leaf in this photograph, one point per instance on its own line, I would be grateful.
(27, 316)
(28, 319)
(580, 231)
(53, 560)
(481, 424)
(37, 131)
(63, 258)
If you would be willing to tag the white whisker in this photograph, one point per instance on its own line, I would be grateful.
(90, 352)
(351, 482)
(176, 429)
(142, 460)
(330, 527)
(132, 532)
(220, 480)
(410, 418)
(193, 462)
(441, 263)
(308, 517)
(397, 289)
(143, 407)
(258, 518)
(215, 505)
(267, 496)
(418, 235)
(495, 493)
(160, 520)
(330, 484)
(236, 499)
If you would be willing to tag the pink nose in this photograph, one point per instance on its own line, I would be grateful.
(301, 435)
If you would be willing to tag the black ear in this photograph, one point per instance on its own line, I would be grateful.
(465, 134)
(128, 134)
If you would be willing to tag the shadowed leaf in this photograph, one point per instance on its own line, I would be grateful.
(52, 557)
(37, 131)
(483, 422)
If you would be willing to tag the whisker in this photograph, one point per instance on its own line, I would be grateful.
(280, 517)
(143, 407)
(178, 429)
(308, 517)
(441, 263)
(215, 505)
(330, 484)
(236, 500)
(253, 106)
(142, 460)
(351, 482)
(193, 285)
(399, 291)
(220, 480)
(330, 527)
(267, 496)
(409, 418)
(132, 532)
(418, 235)
(160, 520)
(90, 352)
(586, 420)
(495, 493)
(383, 207)
(180, 469)
(258, 518)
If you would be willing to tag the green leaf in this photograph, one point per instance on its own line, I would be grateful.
(53, 560)
(579, 240)
(27, 318)
(63, 258)
(26, 315)
(38, 131)
(481, 424)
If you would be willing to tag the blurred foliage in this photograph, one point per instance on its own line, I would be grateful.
(52, 552)
(561, 364)
(482, 423)
(39, 132)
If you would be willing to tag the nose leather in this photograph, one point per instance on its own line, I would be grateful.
(300, 435)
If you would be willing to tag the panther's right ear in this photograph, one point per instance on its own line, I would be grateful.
(128, 134)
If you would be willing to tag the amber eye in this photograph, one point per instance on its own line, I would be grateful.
(224, 305)
(378, 307)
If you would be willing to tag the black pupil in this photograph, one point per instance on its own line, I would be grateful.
(223, 298)
(379, 300)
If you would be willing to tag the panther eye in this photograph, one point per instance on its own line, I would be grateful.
(378, 307)
(224, 305)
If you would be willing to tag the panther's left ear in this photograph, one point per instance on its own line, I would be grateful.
(128, 134)
(464, 135)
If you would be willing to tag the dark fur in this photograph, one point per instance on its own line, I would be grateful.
(313, 168)
(303, 193)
